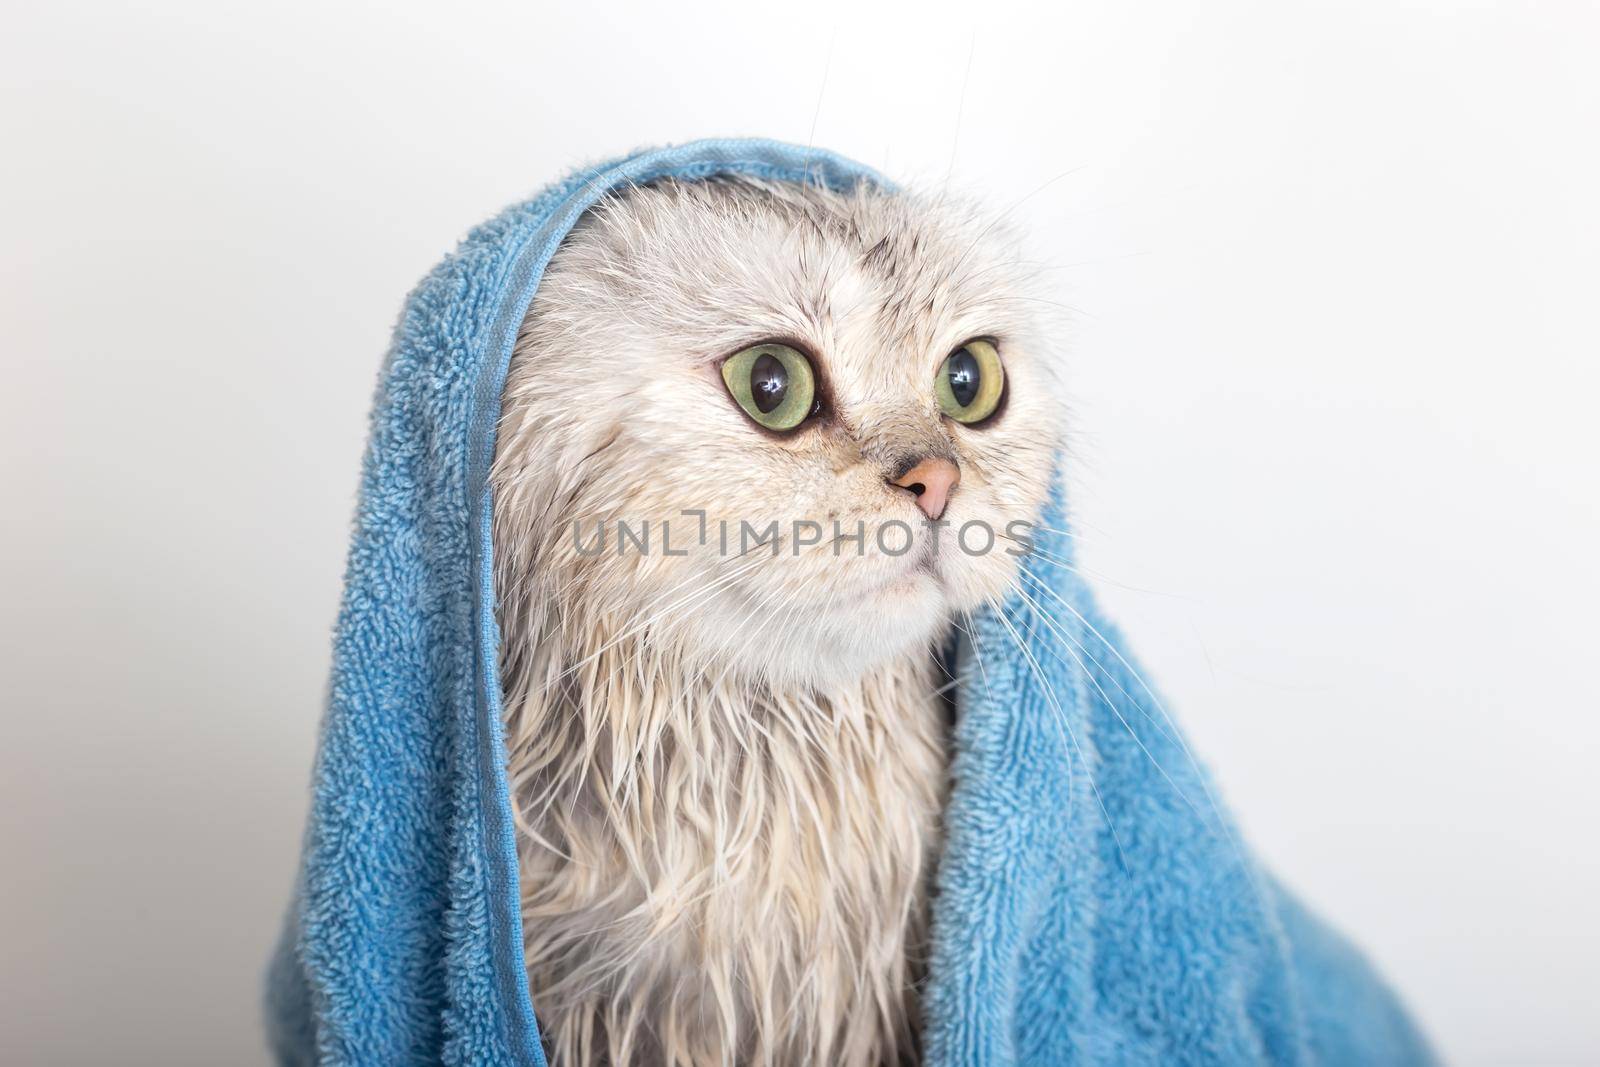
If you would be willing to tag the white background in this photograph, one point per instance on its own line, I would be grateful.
(1334, 351)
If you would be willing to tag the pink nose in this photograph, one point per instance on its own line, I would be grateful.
(931, 482)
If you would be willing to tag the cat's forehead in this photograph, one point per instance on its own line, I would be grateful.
(856, 275)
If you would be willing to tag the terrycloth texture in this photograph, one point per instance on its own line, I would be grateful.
(1094, 905)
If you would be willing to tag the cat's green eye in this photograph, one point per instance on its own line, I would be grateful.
(970, 382)
(774, 384)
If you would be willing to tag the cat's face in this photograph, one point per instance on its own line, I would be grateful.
(629, 401)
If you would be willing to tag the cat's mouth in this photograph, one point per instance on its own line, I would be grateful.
(918, 566)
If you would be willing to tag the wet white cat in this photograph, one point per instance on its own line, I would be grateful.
(727, 747)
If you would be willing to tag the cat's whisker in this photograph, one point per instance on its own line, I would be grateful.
(742, 570)
(961, 107)
(1003, 215)
(1024, 573)
(939, 661)
(1023, 298)
(1031, 548)
(1112, 648)
(822, 92)
(1073, 534)
(694, 599)
(972, 639)
(1229, 834)
(756, 631)
(1062, 722)
(1094, 575)
(1111, 705)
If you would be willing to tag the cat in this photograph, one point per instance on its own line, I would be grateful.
(752, 435)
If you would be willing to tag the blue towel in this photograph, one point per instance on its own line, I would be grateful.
(1094, 904)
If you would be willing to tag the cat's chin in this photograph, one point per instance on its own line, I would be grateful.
(838, 645)
(845, 634)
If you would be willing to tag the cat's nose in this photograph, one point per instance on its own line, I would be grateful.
(931, 481)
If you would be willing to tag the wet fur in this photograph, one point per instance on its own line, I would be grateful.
(728, 769)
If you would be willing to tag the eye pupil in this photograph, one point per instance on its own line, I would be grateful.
(965, 376)
(971, 382)
(769, 382)
(773, 384)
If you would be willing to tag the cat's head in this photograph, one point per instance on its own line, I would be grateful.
(704, 360)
